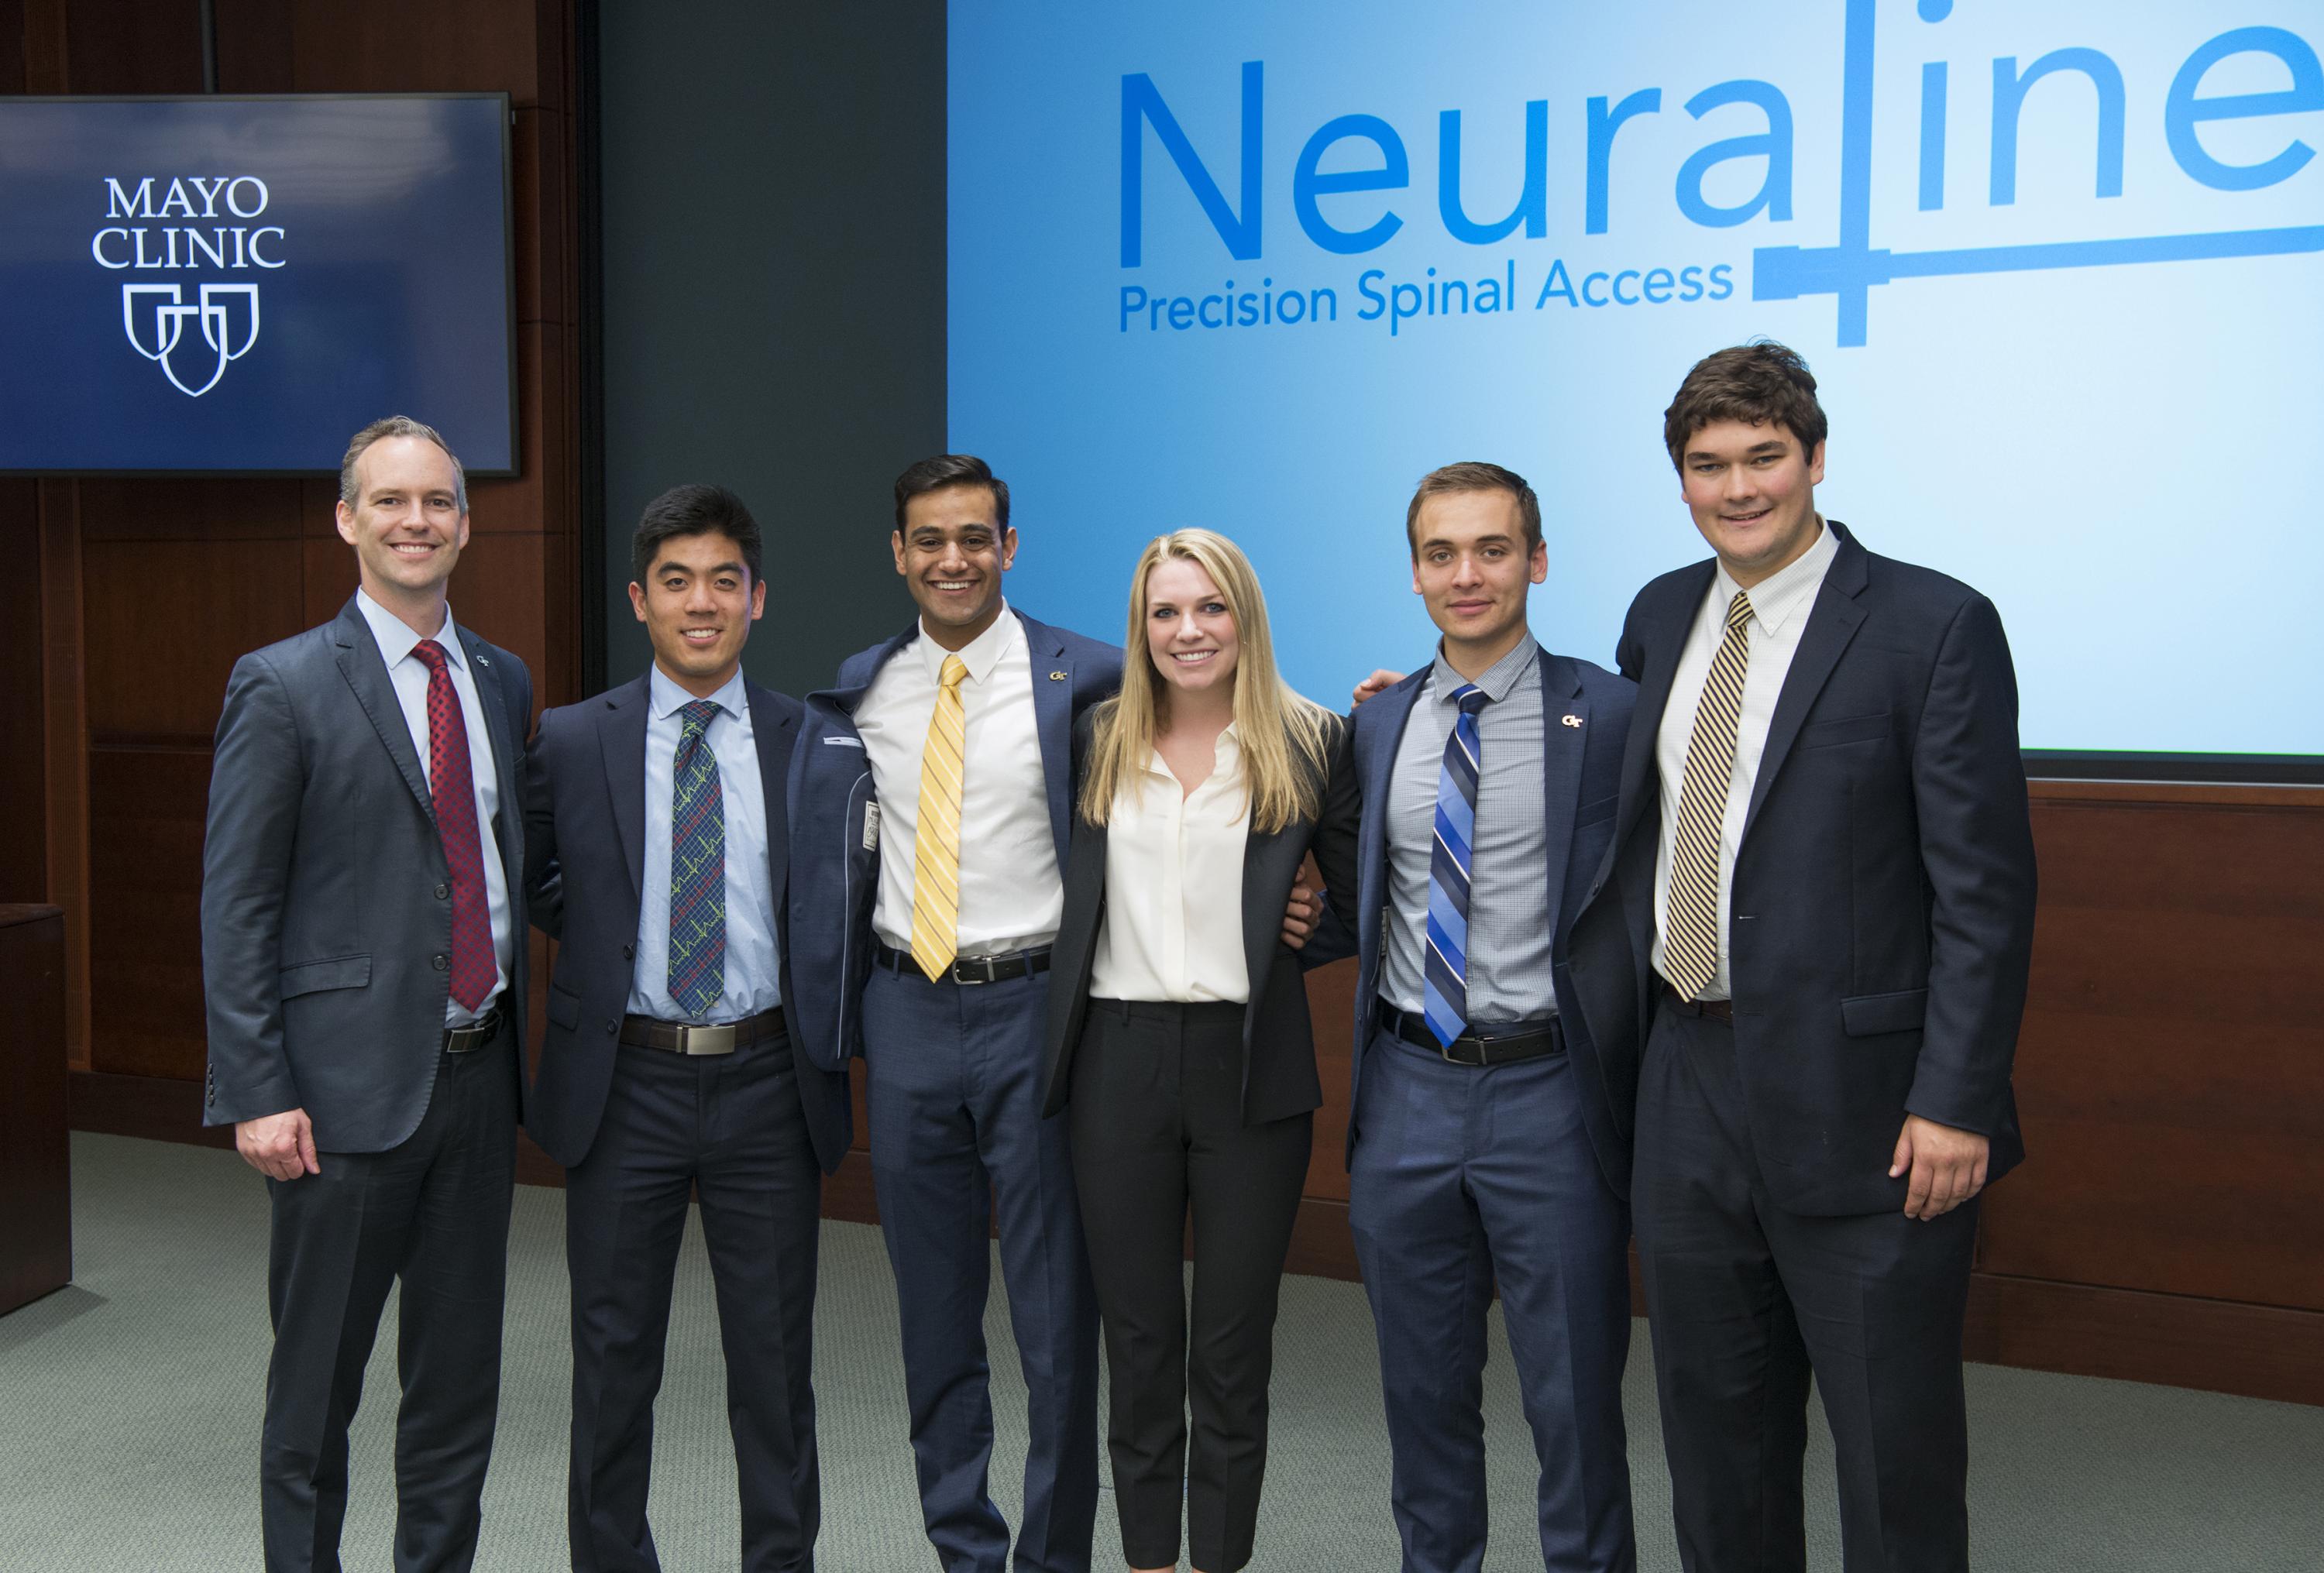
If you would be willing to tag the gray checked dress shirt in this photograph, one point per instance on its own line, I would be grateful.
(1510, 941)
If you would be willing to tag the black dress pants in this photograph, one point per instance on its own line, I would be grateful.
(1157, 1128)
(432, 1212)
(1747, 1300)
(730, 1127)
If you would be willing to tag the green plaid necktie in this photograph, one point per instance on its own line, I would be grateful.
(698, 867)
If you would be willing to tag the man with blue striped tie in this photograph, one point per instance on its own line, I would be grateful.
(1486, 1146)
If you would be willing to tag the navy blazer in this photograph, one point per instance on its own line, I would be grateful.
(327, 911)
(1581, 774)
(586, 818)
(836, 853)
(1882, 914)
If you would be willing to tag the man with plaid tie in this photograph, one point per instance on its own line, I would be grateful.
(364, 964)
(1488, 1146)
(1815, 929)
(658, 843)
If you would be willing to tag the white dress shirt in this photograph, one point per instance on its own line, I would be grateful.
(1779, 612)
(408, 673)
(1011, 897)
(752, 980)
(1173, 927)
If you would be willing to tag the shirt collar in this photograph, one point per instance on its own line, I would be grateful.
(397, 642)
(668, 698)
(980, 655)
(1789, 590)
(1499, 680)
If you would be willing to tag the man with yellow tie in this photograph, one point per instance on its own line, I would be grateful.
(933, 786)
(1812, 933)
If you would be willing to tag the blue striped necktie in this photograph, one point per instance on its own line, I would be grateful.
(698, 867)
(1445, 983)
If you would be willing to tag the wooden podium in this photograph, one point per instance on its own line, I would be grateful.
(35, 1153)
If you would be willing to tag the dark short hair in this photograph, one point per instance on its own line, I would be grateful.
(397, 426)
(1474, 475)
(695, 509)
(1761, 384)
(935, 475)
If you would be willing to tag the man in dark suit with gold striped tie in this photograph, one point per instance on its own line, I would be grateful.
(1815, 922)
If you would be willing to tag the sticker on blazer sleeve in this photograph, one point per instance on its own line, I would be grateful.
(870, 827)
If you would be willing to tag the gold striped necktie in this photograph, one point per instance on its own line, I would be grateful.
(936, 852)
(1691, 947)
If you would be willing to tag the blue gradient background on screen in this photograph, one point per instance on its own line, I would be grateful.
(2124, 457)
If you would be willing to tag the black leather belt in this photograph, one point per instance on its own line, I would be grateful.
(1716, 1009)
(967, 969)
(466, 1040)
(1527, 1040)
(675, 1037)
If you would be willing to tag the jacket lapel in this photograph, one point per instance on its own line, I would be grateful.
(361, 663)
(493, 700)
(1832, 625)
(1564, 719)
(775, 736)
(621, 739)
(1386, 715)
(1053, 717)
(1665, 642)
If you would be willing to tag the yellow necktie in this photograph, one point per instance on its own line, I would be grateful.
(1691, 947)
(936, 852)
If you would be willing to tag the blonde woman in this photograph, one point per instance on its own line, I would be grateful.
(1178, 1035)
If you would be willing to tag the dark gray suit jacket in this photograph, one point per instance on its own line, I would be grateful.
(327, 911)
(1278, 1045)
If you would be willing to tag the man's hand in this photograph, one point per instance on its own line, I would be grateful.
(280, 1146)
(1947, 1164)
(1377, 683)
(1300, 916)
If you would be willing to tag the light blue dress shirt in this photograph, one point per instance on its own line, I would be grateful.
(752, 980)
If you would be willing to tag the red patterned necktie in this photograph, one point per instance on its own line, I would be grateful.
(474, 968)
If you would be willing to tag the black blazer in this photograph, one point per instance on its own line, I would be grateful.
(1278, 1045)
(327, 911)
(585, 818)
(1883, 909)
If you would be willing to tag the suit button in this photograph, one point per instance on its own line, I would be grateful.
(443, 892)
(612, 1026)
(629, 952)
(440, 964)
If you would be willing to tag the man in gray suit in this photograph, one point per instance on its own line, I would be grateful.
(363, 954)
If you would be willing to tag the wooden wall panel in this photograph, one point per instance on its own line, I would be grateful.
(36, 1144)
(418, 46)
(145, 891)
(165, 620)
(134, 46)
(23, 755)
(64, 727)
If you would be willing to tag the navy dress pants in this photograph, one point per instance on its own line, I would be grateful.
(1464, 1177)
(1748, 1301)
(432, 1212)
(953, 1093)
(729, 1128)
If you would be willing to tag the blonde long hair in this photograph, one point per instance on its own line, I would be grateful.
(1285, 739)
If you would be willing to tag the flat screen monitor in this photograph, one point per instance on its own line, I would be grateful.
(2058, 267)
(222, 284)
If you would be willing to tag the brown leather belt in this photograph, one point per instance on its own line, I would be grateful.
(1519, 1041)
(675, 1037)
(1716, 1009)
(967, 969)
(466, 1040)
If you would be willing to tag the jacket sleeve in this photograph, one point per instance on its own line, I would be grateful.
(544, 877)
(257, 784)
(1976, 848)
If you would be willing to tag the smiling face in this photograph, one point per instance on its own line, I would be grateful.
(697, 605)
(1472, 566)
(405, 525)
(1751, 489)
(952, 555)
(1190, 633)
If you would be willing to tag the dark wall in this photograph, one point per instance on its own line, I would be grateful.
(774, 286)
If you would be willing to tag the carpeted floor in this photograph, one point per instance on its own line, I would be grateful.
(129, 1408)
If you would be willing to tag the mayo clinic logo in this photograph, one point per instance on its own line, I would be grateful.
(194, 222)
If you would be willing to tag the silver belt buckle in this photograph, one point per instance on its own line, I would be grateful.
(960, 974)
(705, 1040)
